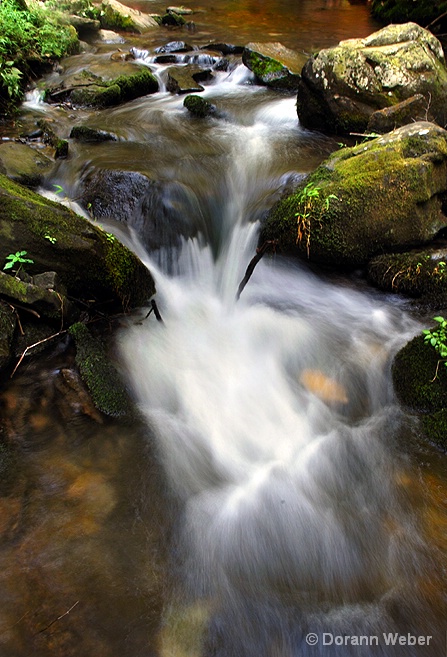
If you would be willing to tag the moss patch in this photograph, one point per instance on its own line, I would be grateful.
(99, 375)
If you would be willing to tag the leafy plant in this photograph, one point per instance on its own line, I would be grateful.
(309, 198)
(110, 237)
(17, 258)
(438, 338)
(10, 77)
(51, 239)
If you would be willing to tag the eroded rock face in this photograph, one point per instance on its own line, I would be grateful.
(341, 87)
(383, 196)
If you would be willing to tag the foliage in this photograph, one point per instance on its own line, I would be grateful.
(307, 198)
(17, 258)
(82, 8)
(28, 37)
(401, 11)
(438, 338)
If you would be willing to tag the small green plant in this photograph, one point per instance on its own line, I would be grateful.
(17, 258)
(438, 338)
(110, 237)
(10, 78)
(51, 239)
(308, 198)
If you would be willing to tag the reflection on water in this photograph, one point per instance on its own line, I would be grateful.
(274, 488)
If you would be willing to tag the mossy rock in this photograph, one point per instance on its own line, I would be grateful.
(416, 273)
(274, 65)
(199, 107)
(185, 79)
(86, 134)
(24, 164)
(90, 264)
(115, 15)
(435, 428)
(99, 374)
(378, 197)
(8, 323)
(341, 87)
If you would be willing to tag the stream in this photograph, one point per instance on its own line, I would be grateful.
(274, 500)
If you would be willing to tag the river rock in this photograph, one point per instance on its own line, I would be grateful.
(173, 19)
(24, 164)
(390, 118)
(224, 48)
(92, 267)
(181, 11)
(341, 87)
(185, 79)
(420, 384)
(173, 46)
(381, 196)
(274, 65)
(199, 106)
(158, 211)
(115, 15)
(419, 273)
(86, 134)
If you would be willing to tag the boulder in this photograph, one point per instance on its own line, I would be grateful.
(341, 87)
(49, 137)
(173, 46)
(173, 19)
(381, 196)
(185, 79)
(274, 65)
(92, 267)
(91, 135)
(160, 212)
(115, 15)
(24, 164)
(198, 106)
(390, 118)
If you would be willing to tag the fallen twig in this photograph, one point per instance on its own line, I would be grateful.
(58, 618)
(252, 264)
(31, 346)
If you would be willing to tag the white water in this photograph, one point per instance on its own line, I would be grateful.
(289, 497)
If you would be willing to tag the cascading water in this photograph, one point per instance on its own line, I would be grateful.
(274, 419)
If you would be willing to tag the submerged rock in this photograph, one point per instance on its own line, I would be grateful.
(90, 135)
(274, 65)
(92, 267)
(24, 164)
(382, 196)
(341, 87)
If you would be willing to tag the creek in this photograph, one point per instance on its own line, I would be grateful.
(275, 500)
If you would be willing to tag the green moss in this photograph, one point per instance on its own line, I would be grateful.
(420, 384)
(99, 375)
(112, 19)
(96, 96)
(7, 329)
(198, 106)
(113, 92)
(435, 428)
(414, 273)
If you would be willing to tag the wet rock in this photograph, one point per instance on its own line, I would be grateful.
(274, 65)
(120, 56)
(382, 196)
(198, 106)
(48, 303)
(181, 11)
(420, 384)
(341, 87)
(224, 48)
(185, 79)
(50, 137)
(113, 92)
(416, 273)
(90, 135)
(24, 164)
(115, 15)
(84, 26)
(8, 323)
(390, 118)
(173, 46)
(109, 36)
(90, 265)
(173, 19)
(99, 375)
(158, 211)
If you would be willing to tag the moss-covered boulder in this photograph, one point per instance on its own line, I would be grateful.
(420, 383)
(198, 106)
(24, 164)
(274, 65)
(47, 302)
(88, 89)
(116, 16)
(99, 374)
(91, 265)
(85, 134)
(341, 87)
(416, 273)
(381, 196)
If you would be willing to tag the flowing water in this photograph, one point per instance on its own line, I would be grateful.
(275, 501)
